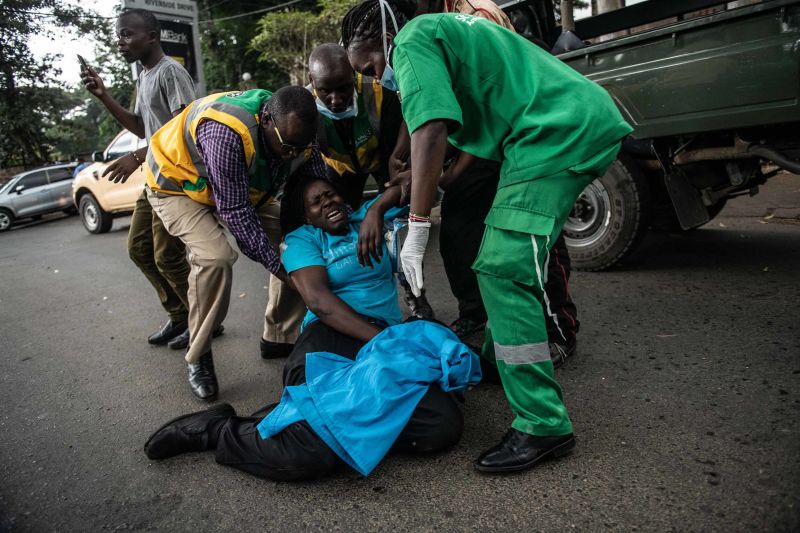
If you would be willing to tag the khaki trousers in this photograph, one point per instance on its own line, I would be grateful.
(211, 258)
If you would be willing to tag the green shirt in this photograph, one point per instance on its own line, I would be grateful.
(505, 98)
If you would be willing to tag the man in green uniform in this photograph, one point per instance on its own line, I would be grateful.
(553, 130)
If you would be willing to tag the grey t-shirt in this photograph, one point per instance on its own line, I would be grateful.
(161, 91)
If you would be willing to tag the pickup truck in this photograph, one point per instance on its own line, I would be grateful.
(712, 91)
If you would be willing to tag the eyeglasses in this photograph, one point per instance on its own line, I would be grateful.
(292, 150)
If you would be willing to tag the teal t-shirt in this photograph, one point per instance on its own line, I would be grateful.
(368, 291)
(505, 98)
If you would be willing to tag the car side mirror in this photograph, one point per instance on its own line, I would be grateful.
(19, 188)
(98, 156)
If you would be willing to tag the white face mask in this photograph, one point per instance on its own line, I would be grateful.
(350, 112)
(387, 79)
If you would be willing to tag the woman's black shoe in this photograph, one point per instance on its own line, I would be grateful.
(520, 451)
(188, 433)
(275, 350)
(168, 331)
(202, 378)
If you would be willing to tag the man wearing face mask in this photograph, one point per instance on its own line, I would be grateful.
(225, 160)
(361, 133)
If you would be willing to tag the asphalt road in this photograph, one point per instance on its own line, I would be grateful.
(685, 396)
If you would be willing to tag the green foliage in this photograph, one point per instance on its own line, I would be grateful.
(32, 101)
(225, 45)
(285, 39)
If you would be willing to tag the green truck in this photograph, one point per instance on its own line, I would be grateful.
(712, 91)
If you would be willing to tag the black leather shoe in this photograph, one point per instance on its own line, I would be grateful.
(182, 341)
(202, 378)
(520, 451)
(187, 433)
(464, 327)
(560, 351)
(275, 350)
(418, 306)
(168, 331)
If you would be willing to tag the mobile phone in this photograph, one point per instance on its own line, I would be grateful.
(82, 61)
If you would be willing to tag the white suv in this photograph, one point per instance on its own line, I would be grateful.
(98, 200)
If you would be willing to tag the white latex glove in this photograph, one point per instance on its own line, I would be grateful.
(412, 253)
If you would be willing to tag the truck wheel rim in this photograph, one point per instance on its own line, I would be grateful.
(90, 216)
(589, 218)
(5, 221)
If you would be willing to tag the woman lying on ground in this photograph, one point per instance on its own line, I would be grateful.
(346, 281)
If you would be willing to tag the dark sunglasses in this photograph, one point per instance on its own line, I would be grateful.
(292, 150)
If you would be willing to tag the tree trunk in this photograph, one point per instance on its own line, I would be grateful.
(567, 16)
(604, 6)
(296, 74)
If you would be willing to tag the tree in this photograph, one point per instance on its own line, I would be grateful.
(29, 99)
(225, 37)
(567, 16)
(604, 6)
(285, 39)
(564, 11)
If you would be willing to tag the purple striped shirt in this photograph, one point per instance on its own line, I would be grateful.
(223, 154)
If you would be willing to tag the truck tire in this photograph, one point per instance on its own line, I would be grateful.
(94, 219)
(6, 219)
(610, 218)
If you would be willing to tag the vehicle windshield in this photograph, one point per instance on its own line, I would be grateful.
(6, 185)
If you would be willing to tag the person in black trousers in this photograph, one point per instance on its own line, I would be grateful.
(297, 452)
(470, 184)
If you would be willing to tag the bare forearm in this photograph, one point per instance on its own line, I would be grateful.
(401, 149)
(128, 120)
(334, 312)
(390, 198)
(462, 163)
(428, 147)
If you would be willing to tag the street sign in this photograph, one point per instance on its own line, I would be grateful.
(179, 34)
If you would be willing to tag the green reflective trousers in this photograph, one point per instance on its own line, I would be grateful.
(524, 222)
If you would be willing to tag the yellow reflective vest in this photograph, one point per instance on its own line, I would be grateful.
(174, 165)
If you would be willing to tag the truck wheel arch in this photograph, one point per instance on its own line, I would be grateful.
(610, 218)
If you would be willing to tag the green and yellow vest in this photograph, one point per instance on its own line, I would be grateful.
(174, 165)
(364, 156)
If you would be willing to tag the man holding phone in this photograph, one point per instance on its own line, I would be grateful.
(163, 89)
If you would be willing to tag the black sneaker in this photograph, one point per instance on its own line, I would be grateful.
(419, 307)
(464, 327)
(560, 351)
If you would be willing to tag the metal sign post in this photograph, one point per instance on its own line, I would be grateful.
(180, 36)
